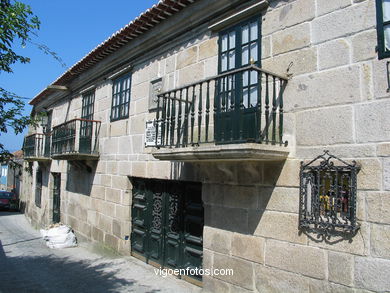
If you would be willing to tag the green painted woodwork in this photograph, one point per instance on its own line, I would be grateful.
(121, 97)
(237, 111)
(167, 223)
(56, 197)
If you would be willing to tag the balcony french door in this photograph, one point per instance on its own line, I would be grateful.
(86, 126)
(237, 117)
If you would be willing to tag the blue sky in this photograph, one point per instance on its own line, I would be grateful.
(71, 29)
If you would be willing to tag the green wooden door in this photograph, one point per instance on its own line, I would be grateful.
(85, 137)
(193, 221)
(56, 197)
(167, 223)
(173, 225)
(238, 97)
(156, 222)
(140, 218)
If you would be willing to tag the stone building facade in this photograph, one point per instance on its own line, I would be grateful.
(336, 98)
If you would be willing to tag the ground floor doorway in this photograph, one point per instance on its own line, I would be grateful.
(56, 197)
(167, 224)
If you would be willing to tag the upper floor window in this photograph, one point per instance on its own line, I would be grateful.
(88, 106)
(121, 97)
(383, 27)
(239, 45)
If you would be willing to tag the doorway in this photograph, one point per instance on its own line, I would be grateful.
(56, 197)
(167, 224)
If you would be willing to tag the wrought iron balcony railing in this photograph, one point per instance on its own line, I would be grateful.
(244, 105)
(77, 138)
(37, 146)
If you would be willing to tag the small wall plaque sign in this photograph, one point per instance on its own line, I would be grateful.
(150, 134)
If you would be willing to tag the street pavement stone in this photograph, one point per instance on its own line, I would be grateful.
(27, 265)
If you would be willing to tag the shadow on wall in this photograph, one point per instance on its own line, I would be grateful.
(51, 274)
(235, 194)
(80, 176)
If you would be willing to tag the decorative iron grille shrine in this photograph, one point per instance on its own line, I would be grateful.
(328, 195)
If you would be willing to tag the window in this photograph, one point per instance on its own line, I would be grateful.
(383, 27)
(86, 127)
(328, 195)
(87, 106)
(239, 46)
(121, 98)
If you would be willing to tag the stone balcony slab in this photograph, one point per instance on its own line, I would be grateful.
(225, 152)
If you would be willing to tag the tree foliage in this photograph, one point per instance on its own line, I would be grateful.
(17, 24)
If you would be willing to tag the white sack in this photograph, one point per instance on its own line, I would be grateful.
(59, 237)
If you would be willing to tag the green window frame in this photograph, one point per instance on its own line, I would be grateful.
(383, 28)
(238, 45)
(121, 97)
(88, 103)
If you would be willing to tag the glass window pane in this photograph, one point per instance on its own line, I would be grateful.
(245, 55)
(386, 10)
(245, 78)
(253, 77)
(245, 97)
(232, 59)
(116, 100)
(224, 62)
(387, 37)
(232, 40)
(245, 34)
(224, 42)
(254, 32)
(253, 96)
(254, 51)
(230, 80)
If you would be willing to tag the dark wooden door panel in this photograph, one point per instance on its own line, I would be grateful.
(56, 197)
(140, 224)
(167, 223)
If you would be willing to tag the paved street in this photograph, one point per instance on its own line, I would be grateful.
(27, 265)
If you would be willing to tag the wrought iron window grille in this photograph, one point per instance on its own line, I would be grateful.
(327, 202)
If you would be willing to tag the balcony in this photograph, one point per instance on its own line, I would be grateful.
(36, 147)
(76, 139)
(237, 115)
